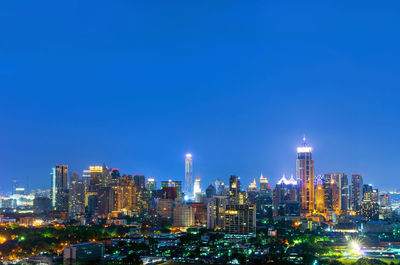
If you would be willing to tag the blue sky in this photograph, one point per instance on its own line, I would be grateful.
(137, 84)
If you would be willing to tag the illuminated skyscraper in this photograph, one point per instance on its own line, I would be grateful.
(240, 219)
(95, 178)
(216, 212)
(53, 188)
(253, 186)
(264, 202)
(305, 175)
(151, 184)
(188, 174)
(264, 185)
(234, 186)
(61, 183)
(356, 191)
(285, 197)
(76, 195)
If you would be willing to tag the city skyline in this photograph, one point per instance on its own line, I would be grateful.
(302, 148)
(140, 93)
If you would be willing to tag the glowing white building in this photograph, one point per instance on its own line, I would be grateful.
(189, 175)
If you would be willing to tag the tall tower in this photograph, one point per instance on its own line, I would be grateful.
(188, 174)
(356, 191)
(61, 185)
(305, 175)
(53, 188)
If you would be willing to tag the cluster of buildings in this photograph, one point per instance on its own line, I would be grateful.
(103, 193)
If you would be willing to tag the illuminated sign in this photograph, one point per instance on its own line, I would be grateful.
(304, 149)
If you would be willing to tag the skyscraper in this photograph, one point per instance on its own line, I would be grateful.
(61, 185)
(53, 188)
(234, 186)
(139, 181)
(305, 175)
(336, 185)
(151, 184)
(356, 191)
(264, 185)
(76, 195)
(188, 175)
(240, 219)
(96, 178)
(216, 212)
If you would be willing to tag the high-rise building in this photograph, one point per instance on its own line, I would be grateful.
(356, 191)
(183, 215)
(76, 196)
(345, 193)
(165, 208)
(240, 219)
(139, 181)
(285, 197)
(264, 185)
(384, 200)
(369, 193)
(176, 184)
(219, 186)
(335, 190)
(369, 210)
(196, 189)
(264, 202)
(127, 194)
(143, 198)
(320, 196)
(305, 175)
(216, 212)
(53, 188)
(59, 190)
(210, 191)
(96, 178)
(234, 187)
(253, 186)
(151, 184)
(41, 205)
(189, 175)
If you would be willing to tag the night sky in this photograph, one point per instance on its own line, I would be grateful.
(137, 84)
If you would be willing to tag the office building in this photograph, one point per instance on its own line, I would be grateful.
(99, 177)
(210, 191)
(59, 188)
(76, 201)
(305, 175)
(189, 175)
(216, 212)
(165, 208)
(41, 205)
(139, 181)
(285, 191)
(356, 191)
(176, 184)
(151, 184)
(183, 215)
(240, 219)
(234, 188)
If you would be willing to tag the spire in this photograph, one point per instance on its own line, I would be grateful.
(283, 180)
(304, 140)
(262, 179)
